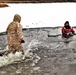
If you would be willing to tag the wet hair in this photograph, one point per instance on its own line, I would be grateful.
(67, 27)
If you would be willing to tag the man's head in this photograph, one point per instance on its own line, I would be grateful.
(66, 23)
(17, 18)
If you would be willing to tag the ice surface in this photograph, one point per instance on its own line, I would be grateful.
(39, 15)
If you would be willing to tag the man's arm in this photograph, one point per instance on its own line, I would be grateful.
(72, 30)
(19, 33)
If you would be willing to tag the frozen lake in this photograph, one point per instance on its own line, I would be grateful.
(39, 15)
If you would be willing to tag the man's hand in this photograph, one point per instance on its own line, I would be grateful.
(22, 41)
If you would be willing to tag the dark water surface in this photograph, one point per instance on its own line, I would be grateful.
(52, 55)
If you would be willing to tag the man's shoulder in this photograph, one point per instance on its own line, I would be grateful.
(12, 24)
(63, 28)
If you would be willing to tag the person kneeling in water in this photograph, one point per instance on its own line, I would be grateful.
(67, 30)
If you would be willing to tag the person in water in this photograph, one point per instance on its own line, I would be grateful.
(67, 30)
(15, 36)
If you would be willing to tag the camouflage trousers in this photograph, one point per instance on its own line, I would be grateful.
(15, 48)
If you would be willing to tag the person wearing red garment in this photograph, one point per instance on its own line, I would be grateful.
(67, 30)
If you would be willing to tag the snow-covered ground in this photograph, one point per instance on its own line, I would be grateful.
(39, 15)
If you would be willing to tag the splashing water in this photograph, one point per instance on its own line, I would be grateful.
(5, 60)
(11, 58)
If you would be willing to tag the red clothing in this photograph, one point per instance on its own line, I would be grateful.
(65, 31)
